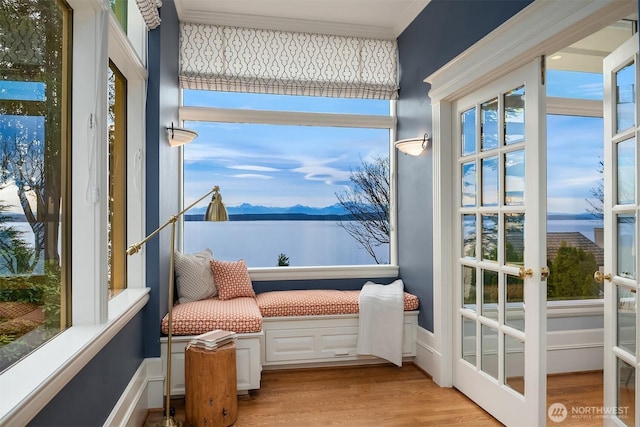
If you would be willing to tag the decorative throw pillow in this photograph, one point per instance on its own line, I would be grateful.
(232, 279)
(194, 279)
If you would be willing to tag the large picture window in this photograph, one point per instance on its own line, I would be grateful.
(34, 175)
(308, 187)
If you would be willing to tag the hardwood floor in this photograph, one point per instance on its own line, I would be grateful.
(382, 395)
(579, 393)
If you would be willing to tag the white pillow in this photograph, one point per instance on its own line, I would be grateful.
(194, 278)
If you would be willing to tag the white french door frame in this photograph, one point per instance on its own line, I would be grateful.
(541, 28)
(619, 410)
(489, 369)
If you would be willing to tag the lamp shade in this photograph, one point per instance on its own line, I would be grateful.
(180, 136)
(216, 211)
(413, 146)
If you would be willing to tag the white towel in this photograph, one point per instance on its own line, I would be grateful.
(381, 320)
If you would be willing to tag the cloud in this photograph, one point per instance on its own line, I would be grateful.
(254, 168)
(318, 170)
(252, 176)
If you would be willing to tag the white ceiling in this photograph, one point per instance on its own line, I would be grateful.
(384, 19)
(588, 53)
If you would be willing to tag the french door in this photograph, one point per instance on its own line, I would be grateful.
(499, 280)
(621, 213)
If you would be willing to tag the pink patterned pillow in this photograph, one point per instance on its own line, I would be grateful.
(232, 279)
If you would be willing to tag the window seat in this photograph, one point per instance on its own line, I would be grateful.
(316, 302)
(280, 329)
(240, 315)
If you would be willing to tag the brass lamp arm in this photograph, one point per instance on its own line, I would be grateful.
(135, 248)
(168, 420)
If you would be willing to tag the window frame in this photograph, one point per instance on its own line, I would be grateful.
(298, 118)
(40, 108)
(37, 378)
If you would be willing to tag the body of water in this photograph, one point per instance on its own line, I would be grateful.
(585, 227)
(306, 243)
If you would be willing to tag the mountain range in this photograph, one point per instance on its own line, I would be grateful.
(249, 209)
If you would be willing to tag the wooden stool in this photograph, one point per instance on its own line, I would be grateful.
(211, 386)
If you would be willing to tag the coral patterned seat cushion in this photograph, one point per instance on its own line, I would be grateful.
(240, 315)
(316, 302)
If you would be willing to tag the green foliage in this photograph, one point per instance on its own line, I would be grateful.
(283, 260)
(51, 295)
(43, 290)
(571, 275)
(16, 255)
(21, 288)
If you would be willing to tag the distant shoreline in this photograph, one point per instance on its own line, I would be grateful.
(349, 217)
(17, 217)
(277, 217)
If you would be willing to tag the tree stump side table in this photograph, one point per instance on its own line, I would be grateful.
(211, 386)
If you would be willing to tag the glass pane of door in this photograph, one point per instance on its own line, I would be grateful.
(626, 319)
(626, 171)
(626, 392)
(625, 97)
(489, 362)
(514, 363)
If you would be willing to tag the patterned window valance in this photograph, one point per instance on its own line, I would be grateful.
(149, 12)
(286, 63)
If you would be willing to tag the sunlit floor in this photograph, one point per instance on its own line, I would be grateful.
(384, 395)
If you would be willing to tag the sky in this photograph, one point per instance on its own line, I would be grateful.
(574, 152)
(278, 165)
(574, 144)
(287, 165)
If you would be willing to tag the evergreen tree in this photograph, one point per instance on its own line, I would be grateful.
(572, 274)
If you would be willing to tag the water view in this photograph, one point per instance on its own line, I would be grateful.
(259, 243)
(306, 243)
(586, 227)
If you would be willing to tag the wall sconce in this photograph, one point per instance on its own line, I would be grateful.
(413, 146)
(180, 136)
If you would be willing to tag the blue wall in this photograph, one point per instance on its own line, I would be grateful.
(339, 284)
(88, 399)
(161, 163)
(444, 29)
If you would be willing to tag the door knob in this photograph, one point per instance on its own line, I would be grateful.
(600, 278)
(524, 273)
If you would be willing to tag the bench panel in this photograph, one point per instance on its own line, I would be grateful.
(248, 362)
(308, 339)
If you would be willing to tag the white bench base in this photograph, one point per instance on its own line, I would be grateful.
(291, 342)
(321, 339)
(248, 366)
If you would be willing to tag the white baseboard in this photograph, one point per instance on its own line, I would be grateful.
(428, 358)
(145, 390)
(575, 351)
(567, 351)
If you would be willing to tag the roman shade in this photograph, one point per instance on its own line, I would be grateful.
(237, 59)
(149, 12)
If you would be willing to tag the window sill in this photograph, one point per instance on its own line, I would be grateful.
(329, 272)
(29, 385)
(575, 308)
